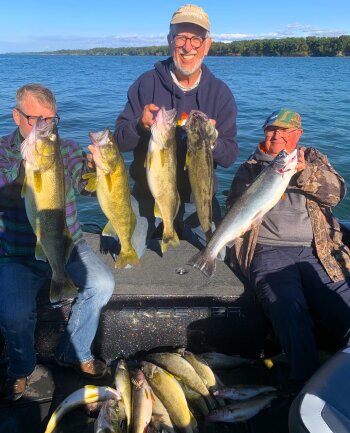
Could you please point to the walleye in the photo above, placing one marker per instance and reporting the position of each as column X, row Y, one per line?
column 122, row 383
column 175, row 364
column 169, row 391
column 201, row 367
column 161, row 174
column 201, row 137
column 241, row 410
column 160, row 417
column 142, row 401
column 45, row 202
column 258, row 199
column 88, row 394
column 111, row 183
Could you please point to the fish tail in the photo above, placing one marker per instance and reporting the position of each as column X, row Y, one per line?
column 205, row 264
column 129, row 257
column 169, row 240
column 62, row 289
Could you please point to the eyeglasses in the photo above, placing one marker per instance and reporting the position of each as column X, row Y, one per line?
column 32, row 119
column 180, row 41
column 279, row 131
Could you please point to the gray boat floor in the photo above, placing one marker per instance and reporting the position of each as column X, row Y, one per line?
column 167, row 275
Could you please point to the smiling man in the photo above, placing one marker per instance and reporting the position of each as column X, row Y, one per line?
column 294, row 257
column 182, row 82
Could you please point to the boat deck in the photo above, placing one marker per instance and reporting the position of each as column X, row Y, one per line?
column 162, row 303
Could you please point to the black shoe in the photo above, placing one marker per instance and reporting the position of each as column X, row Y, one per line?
column 12, row 389
column 94, row 368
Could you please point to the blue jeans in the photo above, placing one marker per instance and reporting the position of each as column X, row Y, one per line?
column 287, row 280
column 20, row 282
column 186, row 218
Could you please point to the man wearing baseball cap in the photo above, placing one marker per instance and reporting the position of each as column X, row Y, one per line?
column 294, row 257
column 185, row 83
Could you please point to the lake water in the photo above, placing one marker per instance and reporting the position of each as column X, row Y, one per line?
column 91, row 92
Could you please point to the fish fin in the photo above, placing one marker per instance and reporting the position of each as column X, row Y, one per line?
column 91, row 181
column 187, row 162
column 157, row 212
column 108, row 182
column 205, row 264
column 24, row 187
column 127, row 258
column 62, row 289
column 169, row 240
column 38, row 181
column 109, row 230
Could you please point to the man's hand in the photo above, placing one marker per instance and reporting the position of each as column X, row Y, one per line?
column 90, row 158
column 146, row 120
column 301, row 159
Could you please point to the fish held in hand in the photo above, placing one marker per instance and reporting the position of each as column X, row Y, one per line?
column 44, row 195
column 111, row 183
column 201, row 137
column 161, row 174
column 266, row 190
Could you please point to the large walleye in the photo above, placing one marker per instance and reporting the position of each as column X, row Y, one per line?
column 258, row 199
column 175, row 364
column 122, row 383
column 45, row 202
column 112, row 188
column 161, row 174
column 142, row 402
column 169, row 391
column 201, row 136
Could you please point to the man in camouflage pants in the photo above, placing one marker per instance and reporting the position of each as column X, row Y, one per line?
column 294, row 257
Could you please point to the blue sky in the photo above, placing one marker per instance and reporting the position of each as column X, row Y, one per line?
column 66, row 24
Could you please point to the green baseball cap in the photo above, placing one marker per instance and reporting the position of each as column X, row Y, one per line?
column 284, row 118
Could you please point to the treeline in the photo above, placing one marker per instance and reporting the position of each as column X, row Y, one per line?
column 287, row 47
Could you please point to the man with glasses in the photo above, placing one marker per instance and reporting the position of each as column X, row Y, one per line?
column 182, row 82
column 294, row 257
column 22, row 276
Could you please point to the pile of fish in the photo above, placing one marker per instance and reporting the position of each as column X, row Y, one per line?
column 161, row 166
column 165, row 393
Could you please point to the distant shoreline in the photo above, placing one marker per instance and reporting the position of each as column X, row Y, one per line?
column 287, row 47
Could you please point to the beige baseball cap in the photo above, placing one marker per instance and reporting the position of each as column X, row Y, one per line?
column 191, row 14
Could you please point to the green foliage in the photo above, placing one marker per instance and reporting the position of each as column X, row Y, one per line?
column 292, row 47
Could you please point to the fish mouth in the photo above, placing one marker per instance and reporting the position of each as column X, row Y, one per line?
column 100, row 137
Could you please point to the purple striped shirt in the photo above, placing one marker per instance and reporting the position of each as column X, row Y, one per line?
column 17, row 238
